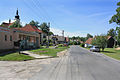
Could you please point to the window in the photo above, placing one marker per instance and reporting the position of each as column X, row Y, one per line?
column 5, row 37
column 10, row 38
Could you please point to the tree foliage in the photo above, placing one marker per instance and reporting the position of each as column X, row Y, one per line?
column 89, row 36
column 16, row 25
column 51, row 33
column 44, row 27
column 118, row 35
column 100, row 41
column 116, row 18
column 111, row 32
column 34, row 23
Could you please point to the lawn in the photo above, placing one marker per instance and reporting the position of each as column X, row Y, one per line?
column 14, row 57
column 49, row 51
column 112, row 52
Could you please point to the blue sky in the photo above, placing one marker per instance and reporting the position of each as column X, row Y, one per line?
column 76, row 17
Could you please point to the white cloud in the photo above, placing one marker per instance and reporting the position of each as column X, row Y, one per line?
column 98, row 14
column 70, row 34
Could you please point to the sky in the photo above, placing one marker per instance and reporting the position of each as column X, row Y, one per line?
column 75, row 17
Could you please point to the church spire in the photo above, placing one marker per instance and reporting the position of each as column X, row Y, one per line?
column 17, row 17
column 17, row 12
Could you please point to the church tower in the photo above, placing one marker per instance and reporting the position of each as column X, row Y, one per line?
column 17, row 17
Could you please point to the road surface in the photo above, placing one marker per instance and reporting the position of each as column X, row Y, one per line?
column 80, row 64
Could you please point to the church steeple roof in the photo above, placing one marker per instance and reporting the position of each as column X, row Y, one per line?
column 17, row 12
column 17, row 15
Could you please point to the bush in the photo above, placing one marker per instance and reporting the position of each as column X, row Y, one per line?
column 50, row 44
column 82, row 44
column 60, row 45
column 71, row 43
column 78, row 43
column 75, row 43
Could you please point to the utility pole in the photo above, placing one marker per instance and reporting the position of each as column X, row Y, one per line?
column 63, row 33
column 48, row 34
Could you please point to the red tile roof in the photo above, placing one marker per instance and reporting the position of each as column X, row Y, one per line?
column 29, row 28
column 6, row 24
column 89, row 41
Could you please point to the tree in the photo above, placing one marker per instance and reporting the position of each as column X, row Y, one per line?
column 100, row 41
column 73, row 38
column 116, row 19
column 83, row 39
column 44, row 27
column 34, row 23
column 16, row 25
column 89, row 36
column 111, row 32
column 118, row 35
column 51, row 33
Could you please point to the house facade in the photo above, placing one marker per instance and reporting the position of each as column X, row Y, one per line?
column 13, row 38
column 6, row 38
column 88, row 42
column 110, row 42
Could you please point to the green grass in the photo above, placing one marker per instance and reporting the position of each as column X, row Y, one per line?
column 112, row 52
column 14, row 57
column 49, row 51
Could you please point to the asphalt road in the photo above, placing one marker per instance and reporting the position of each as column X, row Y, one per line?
column 80, row 64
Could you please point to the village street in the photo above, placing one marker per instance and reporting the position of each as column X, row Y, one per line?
column 77, row 64
column 80, row 64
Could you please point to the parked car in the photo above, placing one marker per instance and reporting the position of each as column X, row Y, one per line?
column 95, row 48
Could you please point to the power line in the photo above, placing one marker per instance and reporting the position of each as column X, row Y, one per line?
column 35, row 13
column 43, row 9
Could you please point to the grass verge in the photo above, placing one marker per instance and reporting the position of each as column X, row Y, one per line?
column 112, row 52
column 48, row 51
column 14, row 57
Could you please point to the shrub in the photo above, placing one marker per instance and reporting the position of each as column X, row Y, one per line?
column 82, row 44
column 78, row 43
column 75, row 43
column 51, row 44
column 71, row 43
column 60, row 45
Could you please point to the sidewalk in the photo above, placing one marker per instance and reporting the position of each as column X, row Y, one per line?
column 35, row 55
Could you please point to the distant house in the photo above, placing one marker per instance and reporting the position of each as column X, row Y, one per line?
column 59, row 39
column 67, row 40
column 110, row 42
column 88, row 42
column 4, row 24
